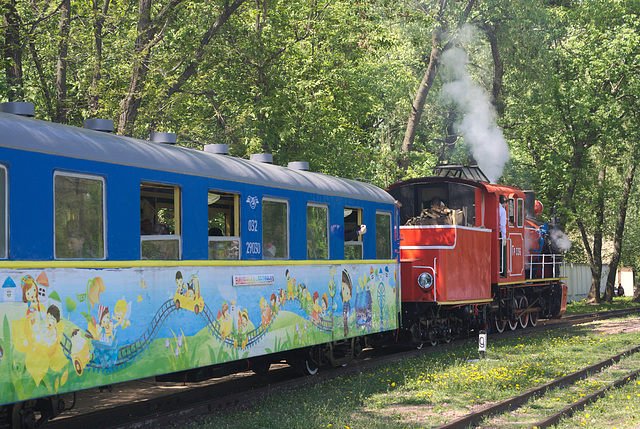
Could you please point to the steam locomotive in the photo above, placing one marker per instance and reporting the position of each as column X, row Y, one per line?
column 458, row 275
column 123, row 258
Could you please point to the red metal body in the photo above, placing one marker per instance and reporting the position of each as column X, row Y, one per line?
column 457, row 257
column 463, row 259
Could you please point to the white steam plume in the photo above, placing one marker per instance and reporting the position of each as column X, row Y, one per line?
column 560, row 240
column 478, row 126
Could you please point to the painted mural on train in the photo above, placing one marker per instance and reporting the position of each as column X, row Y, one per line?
column 69, row 329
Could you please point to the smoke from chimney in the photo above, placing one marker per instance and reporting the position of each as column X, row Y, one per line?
column 478, row 125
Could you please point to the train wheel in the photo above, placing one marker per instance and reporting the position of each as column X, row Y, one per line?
column 177, row 304
column 23, row 416
column 500, row 325
column 523, row 303
column 533, row 318
column 513, row 324
column 433, row 337
column 196, row 309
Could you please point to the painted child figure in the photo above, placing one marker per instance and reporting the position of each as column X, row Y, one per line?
column 347, row 291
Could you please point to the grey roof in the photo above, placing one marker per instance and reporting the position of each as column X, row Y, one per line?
column 51, row 138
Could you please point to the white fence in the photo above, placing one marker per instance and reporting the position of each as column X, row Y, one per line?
column 579, row 280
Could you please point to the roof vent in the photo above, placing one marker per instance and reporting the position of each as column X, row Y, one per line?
column 169, row 138
column 299, row 165
column 20, row 108
column 217, row 148
column 97, row 124
column 267, row 158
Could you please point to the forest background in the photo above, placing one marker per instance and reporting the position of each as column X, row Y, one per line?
column 541, row 94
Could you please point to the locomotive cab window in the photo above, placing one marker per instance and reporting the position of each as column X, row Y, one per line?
column 352, row 233
column 4, row 226
column 511, row 211
column 79, row 216
column 383, row 235
column 437, row 204
column 317, row 231
column 520, row 213
column 275, row 229
column 224, row 225
column 160, row 230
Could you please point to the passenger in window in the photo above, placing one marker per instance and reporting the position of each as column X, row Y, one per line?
column 146, row 227
column 215, row 232
column 355, row 233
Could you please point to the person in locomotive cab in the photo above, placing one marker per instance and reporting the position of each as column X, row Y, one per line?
column 502, row 217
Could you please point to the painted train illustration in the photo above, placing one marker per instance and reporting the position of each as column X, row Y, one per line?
column 123, row 259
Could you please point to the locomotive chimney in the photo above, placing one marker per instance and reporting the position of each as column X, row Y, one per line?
column 20, row 108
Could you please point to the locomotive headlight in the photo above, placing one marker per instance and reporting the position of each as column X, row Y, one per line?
column 425, row 281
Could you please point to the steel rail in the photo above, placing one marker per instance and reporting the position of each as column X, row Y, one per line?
column 536, row 392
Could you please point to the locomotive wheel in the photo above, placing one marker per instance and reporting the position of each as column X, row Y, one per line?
column 177, row 304
column 523, row 303
column 196, row 309
column 513, row 324
column 533, row 318
column 500, row 325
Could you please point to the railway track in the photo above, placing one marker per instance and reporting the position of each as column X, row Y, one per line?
column 510, row 404
column 141, row 408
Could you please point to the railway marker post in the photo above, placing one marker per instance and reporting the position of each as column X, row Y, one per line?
column 482, row 343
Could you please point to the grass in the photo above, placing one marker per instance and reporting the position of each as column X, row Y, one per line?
column 439, row 387
column 577, row 307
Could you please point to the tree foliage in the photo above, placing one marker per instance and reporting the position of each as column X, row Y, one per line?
column 355, row 88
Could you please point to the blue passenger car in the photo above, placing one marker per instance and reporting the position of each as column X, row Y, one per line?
column 192, row 259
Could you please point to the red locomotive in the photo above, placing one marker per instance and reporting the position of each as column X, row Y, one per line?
column 458, row 273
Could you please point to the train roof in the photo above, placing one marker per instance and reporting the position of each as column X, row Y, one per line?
column 22, row 133
column 488, row 187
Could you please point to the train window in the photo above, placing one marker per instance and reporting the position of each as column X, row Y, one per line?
column 4, row 226
column 511, row 212
column 520, row 212
column 79, row 226
column 383, row 235
column 224, row 225
column 317, row 231
column 275, row 227
column 160, row 230
column 352, row 241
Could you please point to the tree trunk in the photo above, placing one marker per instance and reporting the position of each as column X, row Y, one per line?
column 617, row 241
column 98, row 24
column 131, row 102
column 61, row 67
column 419, row 100
column 206, row 39
column 498, row 68
column 13, row 52
column 595, row 256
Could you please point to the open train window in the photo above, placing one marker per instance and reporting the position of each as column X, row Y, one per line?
column 79, row 213
column 383, row 235
column 352, row 241
column 317, row 231
column 275, row 229
column 160, row 230
column 4, row 224
column 224, row 225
